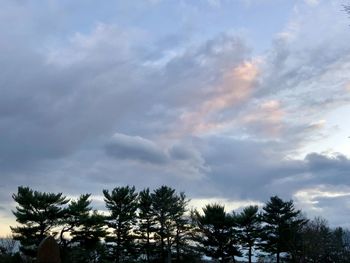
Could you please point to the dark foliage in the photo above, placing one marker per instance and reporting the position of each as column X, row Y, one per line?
column 249, row 225
column 168, row 209
column 216, row 233
column 85, row 227
column 146, row 225
column 282, row 225
column 156, row 227
column 122, row 205
column 38, row 213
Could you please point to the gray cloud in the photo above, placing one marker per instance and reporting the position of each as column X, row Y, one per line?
column 184, row 152
column 80, row 93
column 62, row 103
column 135, row 148
column 323, row 163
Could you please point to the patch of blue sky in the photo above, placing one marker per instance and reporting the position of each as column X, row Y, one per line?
column 194, row 20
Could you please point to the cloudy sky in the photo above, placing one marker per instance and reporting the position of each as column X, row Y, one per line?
column 231, row 101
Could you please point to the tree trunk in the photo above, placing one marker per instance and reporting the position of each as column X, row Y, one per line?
column 148, row 243
column 117, row 256
column 117, row 259
column 42, row 232
column 250, row 254
column 162, row 247
column 278, row 257
column 177, row 245
column 168, row 250
column 169, row 257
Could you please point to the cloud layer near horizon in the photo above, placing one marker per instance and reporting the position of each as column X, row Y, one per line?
column 85, row 108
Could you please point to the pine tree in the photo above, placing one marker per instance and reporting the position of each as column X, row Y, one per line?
column 75, row 214
column 146, row 224
column 216, row 234
column 182, row 228
column 168, row 208
column 281, row 223
column 85, row 228
column 122, row 204
column 250, row 228
column 38, row 213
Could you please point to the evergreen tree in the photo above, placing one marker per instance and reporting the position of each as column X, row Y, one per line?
column 146, row 224
column 88, row 237
column 168, row 208
column 38, row 213
column 122, row 204
column 164, row 230
column 248, row 222
column 216, row 234
column 75, row 214
column 281, row 222
column 295, row 240
column 85, row 228
column 182, row 229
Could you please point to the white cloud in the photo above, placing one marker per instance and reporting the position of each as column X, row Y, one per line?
column 312, row 2
column 327, row 201
column 214, row 3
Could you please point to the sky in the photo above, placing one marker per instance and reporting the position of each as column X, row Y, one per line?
column 230, row 101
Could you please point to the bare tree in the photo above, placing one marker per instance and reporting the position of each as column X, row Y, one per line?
column 7, row 245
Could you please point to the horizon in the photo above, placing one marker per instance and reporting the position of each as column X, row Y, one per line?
column 228, row 101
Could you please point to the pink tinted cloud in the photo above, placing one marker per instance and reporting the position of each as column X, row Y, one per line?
column 267, row 118
column 235, row 88
column 347, row 87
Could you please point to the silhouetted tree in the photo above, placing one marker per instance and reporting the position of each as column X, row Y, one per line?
column 324, row 245
column 164, row 231
column 338, row 247
column 249, row 225
column 7, row 245
column 168, row 208
column 7, row 250
column 122, row 204
column 295, row 240
column 87, row 230
column 183, row 228
column 317, row 240
column 38, row 213
column 216, row 234
column 281, row 221
column 146, row 224
column 75, row 215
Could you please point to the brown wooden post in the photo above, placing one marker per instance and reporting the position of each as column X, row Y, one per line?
column 48, row 251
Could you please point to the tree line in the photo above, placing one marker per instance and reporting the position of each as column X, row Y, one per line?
column 157, row 226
